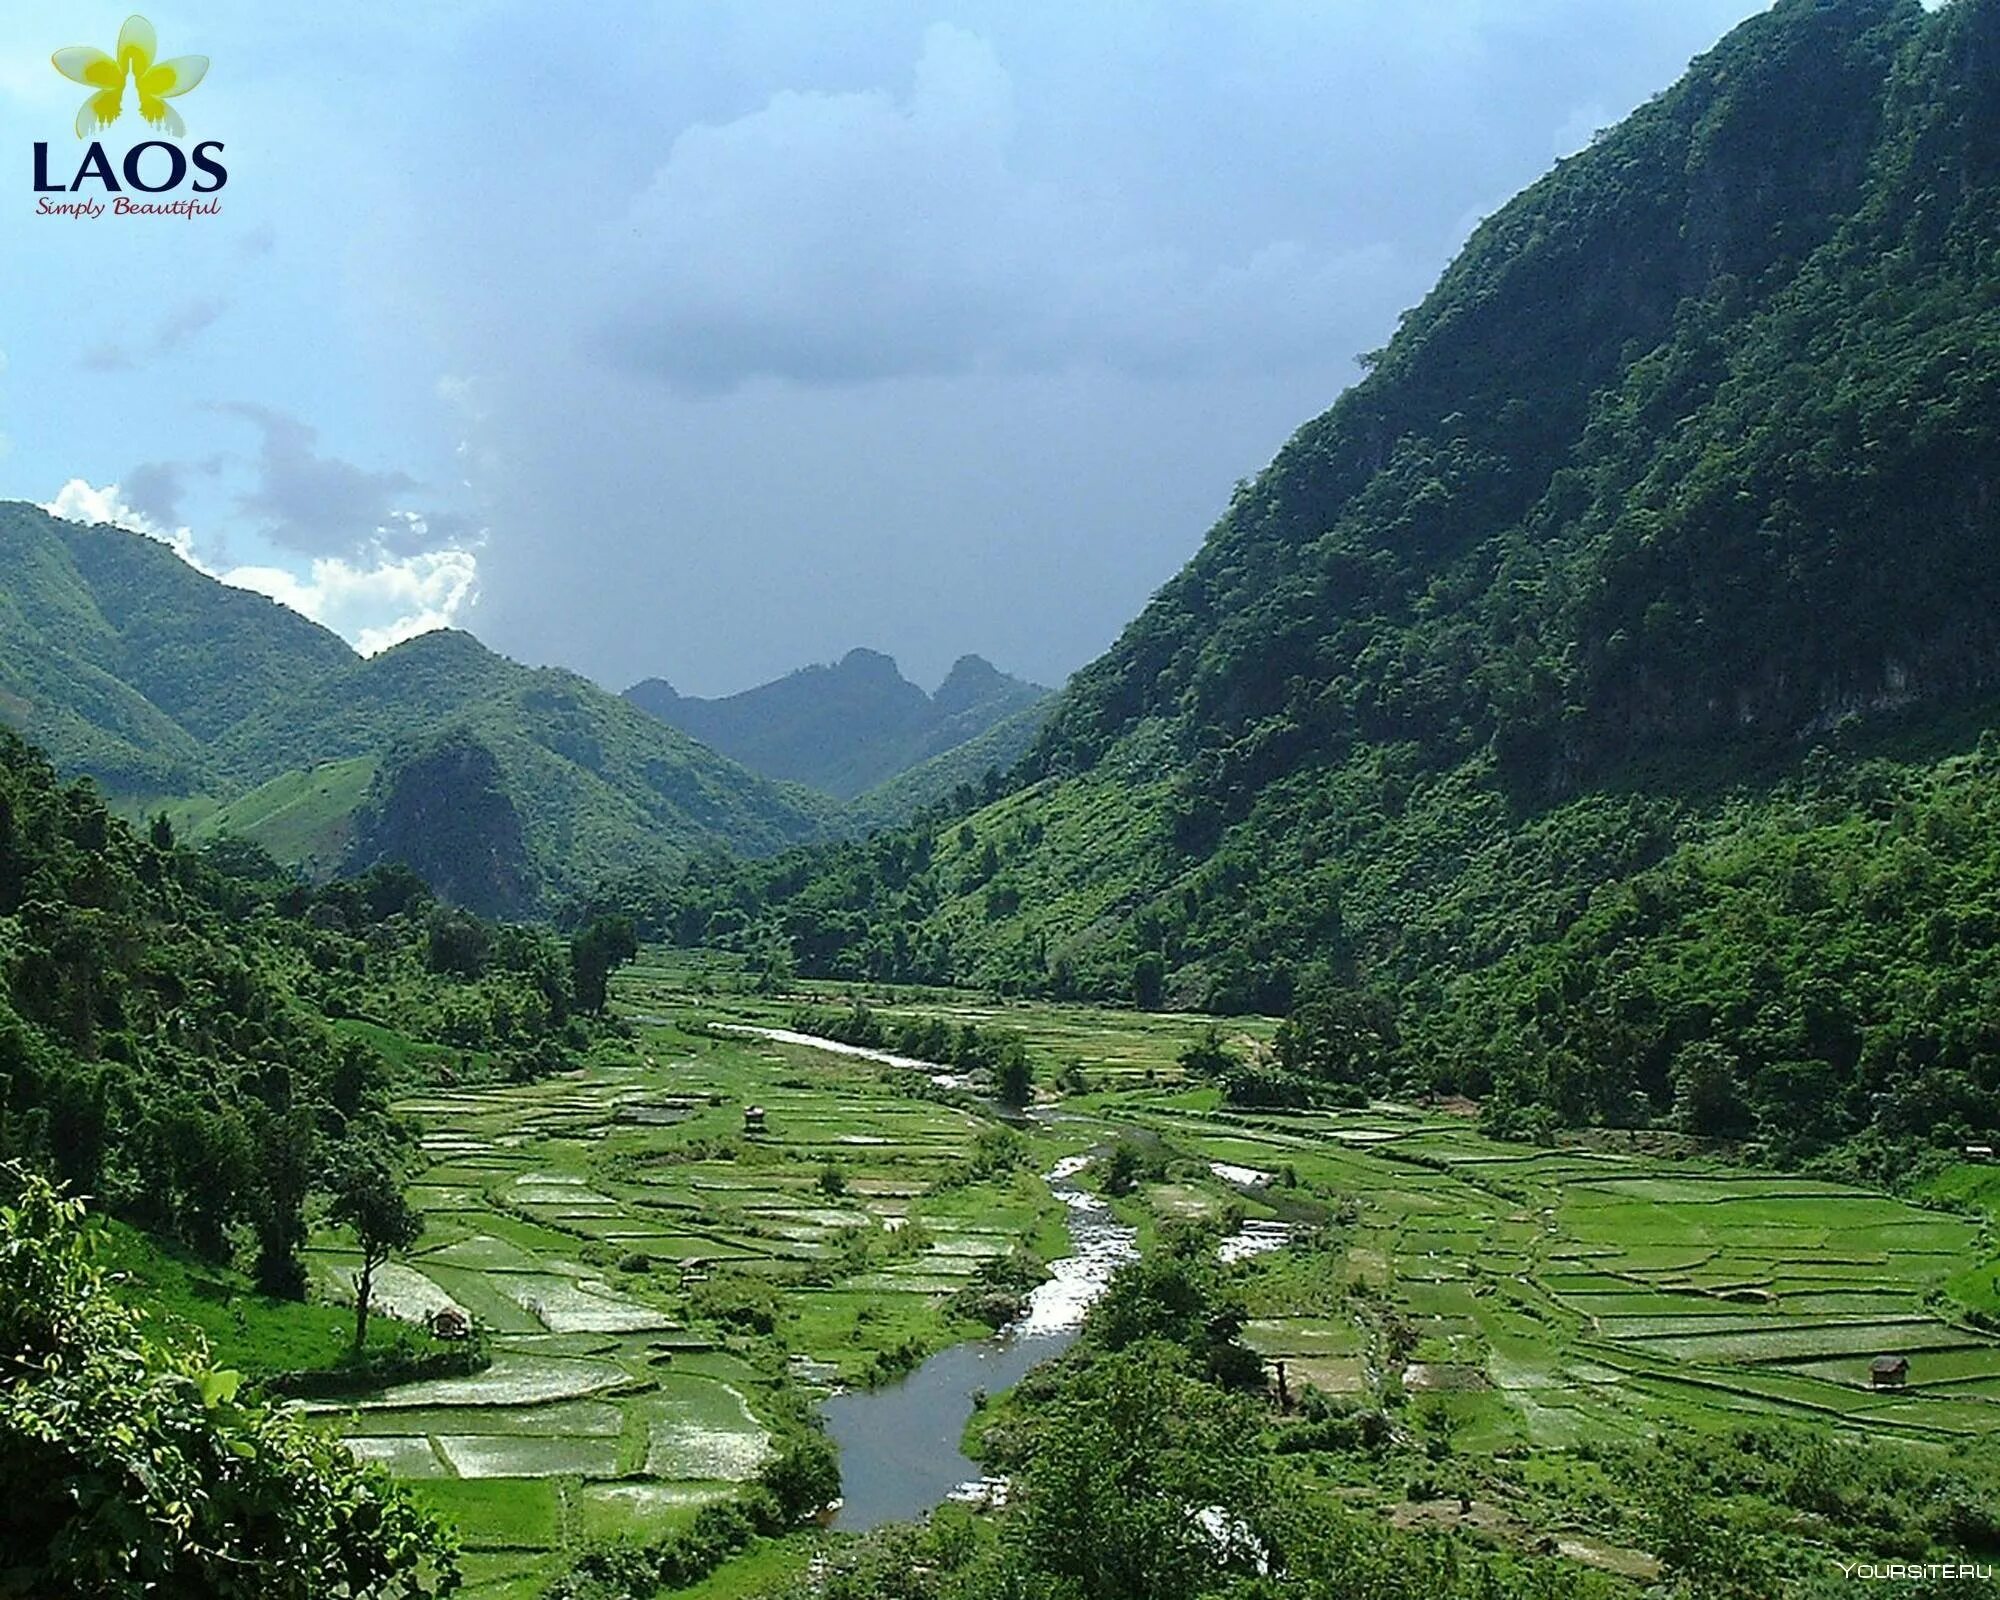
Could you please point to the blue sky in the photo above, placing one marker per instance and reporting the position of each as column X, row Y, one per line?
column 708, row 340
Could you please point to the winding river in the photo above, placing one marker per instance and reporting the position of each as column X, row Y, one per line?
column 899, row 1444
column 900, row 1452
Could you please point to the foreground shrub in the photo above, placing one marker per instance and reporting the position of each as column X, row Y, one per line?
column 129, row 1467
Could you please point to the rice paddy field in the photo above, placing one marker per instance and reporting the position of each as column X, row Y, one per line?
column 665, row 1288
column 1554, row 1296
column 621, row 1236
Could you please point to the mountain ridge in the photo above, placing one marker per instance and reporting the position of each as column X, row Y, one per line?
column 845, row 727
column 173, row 689
column 105, row 639
column 1592, row 712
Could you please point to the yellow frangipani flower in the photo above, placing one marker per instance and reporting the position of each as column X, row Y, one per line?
column 138, row 55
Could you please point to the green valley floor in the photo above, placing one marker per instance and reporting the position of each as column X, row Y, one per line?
column 669, row 1289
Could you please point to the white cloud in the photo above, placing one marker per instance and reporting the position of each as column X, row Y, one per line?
column 78, row 501
column 374, row 601
column 373, row 606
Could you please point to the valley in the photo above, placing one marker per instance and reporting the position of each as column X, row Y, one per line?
column 1457, row 1058
column 670, row 1294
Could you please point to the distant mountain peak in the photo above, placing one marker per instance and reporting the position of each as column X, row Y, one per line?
column 648, row 692
column 448, row 642
column 846, row 726
column 974, row 682
column 863, row 660
column 972, row 669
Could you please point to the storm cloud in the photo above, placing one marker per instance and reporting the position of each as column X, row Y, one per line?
column 725, row 338
column 834, row 238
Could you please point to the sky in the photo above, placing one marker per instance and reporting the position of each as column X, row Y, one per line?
column 703, row 341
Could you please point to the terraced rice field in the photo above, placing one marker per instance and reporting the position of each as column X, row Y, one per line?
column 583, row 1220
column 1560, row 1295
column 604, row 1224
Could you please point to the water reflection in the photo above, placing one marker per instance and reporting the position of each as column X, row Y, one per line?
column 899, row 1445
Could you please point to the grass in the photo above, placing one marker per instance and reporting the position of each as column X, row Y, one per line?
column 249, row 1332
column 305, row 817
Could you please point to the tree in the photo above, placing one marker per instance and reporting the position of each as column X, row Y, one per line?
column 1013, row 1075
column 285, row 1142
column 1338, row 1035
column 803, row 1477
column 1106, row 1492
column 1208, row 1057
column 1179, row 1293
column 368, row 1197
column 594, row 954
column 132, row 1466
column 1128, row 1165
column 1707, row 1091
column 457, row 942
column 1701, row 1555
column 1149, row 981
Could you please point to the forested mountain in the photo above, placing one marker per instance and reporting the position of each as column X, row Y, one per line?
column 848, row 727
column 164, row 685
column 596, row 785
column 960, row 776
column 1586, row 712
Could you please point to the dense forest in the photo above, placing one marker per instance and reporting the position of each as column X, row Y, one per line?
column 1586, row 713
column 195, row 1038
column 204, row 1046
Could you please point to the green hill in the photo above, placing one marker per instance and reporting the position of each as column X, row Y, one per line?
column 599, row 786
column 958, row 775
column 166, row 686
column 849, row 727
column 304, row 818
column 1586, row 712
column 176, row 1025
column 122, row 660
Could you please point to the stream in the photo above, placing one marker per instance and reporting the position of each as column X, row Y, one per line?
column 899, row 1444
column 942, row 1076
column 900, row 1454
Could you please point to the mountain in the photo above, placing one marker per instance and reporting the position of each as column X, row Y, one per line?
column 123, row 661
column 845, row 728
column 168, row 1047
column 1592, row 712
column 597, row 785
column 234, row 713
column 957, row 776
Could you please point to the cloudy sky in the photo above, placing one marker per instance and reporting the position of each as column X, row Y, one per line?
column 705, row 340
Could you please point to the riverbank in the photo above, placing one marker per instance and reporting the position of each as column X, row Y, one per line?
column 668, row 1292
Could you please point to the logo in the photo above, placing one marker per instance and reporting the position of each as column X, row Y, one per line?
column 153, row 80
column 1916, row 1571
column 150, row 168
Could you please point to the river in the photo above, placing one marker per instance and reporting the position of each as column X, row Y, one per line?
column 900, row 1452
column 899, row 1444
